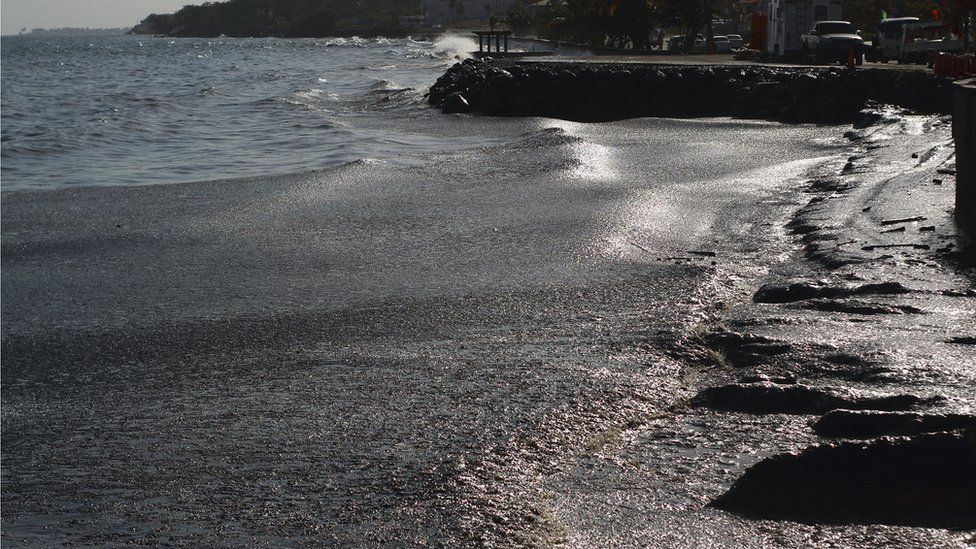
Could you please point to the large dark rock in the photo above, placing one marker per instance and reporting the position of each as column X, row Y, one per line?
column 927, row 481
column 772, row 398
column 455, row 103
column 458, row 79
column 867, row 424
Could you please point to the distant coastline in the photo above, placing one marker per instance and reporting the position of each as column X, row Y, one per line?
column 286, row 19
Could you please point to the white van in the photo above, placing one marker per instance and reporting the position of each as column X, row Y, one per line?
column 887, row 39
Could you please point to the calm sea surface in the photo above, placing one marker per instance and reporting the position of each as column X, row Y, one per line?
column 130, row 110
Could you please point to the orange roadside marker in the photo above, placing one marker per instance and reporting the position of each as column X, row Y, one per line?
column 850, row 59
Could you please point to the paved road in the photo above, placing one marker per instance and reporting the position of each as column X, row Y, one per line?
column 716, row 59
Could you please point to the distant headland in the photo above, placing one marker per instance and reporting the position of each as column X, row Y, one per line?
column 285, row 18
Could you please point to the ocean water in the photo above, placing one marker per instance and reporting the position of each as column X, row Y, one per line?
column 257, row 293
column 133, row 110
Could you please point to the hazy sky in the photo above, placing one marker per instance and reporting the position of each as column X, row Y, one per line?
column 17, row 14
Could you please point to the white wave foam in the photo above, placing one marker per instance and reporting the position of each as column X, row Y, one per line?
column 313, row 93
column 383, row 84
column 352, row 41
column 454, row 46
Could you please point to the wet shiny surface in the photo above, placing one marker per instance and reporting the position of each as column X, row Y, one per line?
column 460, row 331
column 369, row 353
column 651, row 485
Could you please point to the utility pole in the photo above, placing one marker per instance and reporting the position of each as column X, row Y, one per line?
column 968, row 29
column 710, row 38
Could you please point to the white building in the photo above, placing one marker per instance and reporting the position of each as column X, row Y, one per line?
column 447, row 12
column 790, row 19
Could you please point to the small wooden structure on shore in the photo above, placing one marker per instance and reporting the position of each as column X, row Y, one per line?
column 485, row 37
column 500, row 37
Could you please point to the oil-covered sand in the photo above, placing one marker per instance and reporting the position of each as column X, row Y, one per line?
column 494, row 345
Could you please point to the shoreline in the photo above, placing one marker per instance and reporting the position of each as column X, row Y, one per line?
column 823, row 369
column 871, row 268
column 865, row 275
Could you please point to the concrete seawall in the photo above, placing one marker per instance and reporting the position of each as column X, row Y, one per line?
column 607, row 91
column 964, row 134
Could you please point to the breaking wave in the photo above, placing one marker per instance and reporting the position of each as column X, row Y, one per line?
column 453, row 46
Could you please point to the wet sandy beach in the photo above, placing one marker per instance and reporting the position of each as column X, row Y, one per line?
column 486, row 346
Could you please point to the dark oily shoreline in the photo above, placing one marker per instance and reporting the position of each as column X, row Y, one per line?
column 591, row 92
column 766, row 356
column 925, row 481
column 923, row 478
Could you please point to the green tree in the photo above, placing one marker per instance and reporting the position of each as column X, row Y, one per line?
column 457, row 6
column 520, row 19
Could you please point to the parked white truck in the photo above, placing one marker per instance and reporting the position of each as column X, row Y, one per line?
column 908, row 40
column 921, row 41
column 830, row 41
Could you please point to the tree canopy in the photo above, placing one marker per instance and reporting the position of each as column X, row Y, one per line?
column 613, row 23
column 620, row 23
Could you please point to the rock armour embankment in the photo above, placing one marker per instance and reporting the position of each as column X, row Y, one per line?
column 610, row 91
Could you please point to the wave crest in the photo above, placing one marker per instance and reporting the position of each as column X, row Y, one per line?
column 454, row 46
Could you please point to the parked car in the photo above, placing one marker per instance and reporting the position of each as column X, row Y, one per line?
column 886, row 42
column 722, row 44
column 830, row 41
column 737, row 42
column 677, row 43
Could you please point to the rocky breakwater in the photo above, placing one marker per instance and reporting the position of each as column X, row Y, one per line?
column 592, row 92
